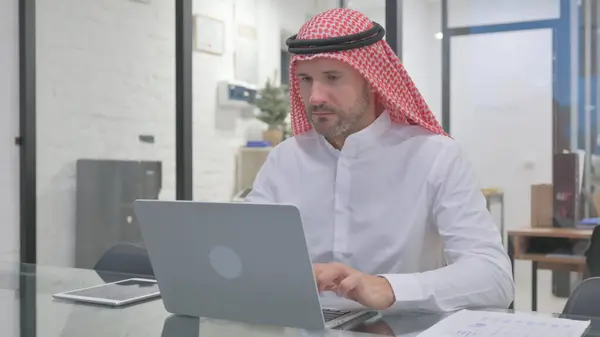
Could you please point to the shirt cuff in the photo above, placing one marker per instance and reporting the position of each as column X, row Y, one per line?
column 408, row 290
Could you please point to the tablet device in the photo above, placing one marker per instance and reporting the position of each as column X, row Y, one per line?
column 114, row 294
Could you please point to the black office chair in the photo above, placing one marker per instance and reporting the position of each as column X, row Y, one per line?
column 124, row 260
column 592, row 254
column 584, row 299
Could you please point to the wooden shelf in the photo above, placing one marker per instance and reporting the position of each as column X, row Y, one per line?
column 552, row 232
column 577, row 260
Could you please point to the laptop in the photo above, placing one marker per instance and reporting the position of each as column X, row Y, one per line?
column 241, row 262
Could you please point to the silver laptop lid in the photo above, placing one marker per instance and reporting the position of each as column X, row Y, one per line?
column 235, row 261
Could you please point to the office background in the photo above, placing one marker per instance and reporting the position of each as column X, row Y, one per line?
column 103, row 101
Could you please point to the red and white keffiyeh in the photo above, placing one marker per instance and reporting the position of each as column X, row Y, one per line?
column 376, row 62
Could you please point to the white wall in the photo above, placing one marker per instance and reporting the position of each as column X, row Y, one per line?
column 502, row 112
column 9, row 129
column 106, row 74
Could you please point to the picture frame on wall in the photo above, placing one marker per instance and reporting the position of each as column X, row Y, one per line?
column 209, row 35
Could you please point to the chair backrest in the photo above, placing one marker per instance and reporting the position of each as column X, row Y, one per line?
column 124, row 258
column 593, row 253
column 584, row 299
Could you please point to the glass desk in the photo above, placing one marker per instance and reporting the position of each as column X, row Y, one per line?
column 27, row 309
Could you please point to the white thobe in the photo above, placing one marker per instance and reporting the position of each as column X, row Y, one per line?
column 397, row 201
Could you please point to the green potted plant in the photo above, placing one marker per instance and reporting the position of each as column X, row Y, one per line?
column 273, row 104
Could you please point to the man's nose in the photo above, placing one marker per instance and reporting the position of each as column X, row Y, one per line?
column 317, row 94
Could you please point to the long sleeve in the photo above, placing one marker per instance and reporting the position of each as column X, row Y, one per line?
column 478, row 272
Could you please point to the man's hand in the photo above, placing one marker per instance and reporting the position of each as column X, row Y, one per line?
column 371, row 291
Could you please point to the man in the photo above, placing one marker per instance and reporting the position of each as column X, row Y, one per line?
column 393, row 215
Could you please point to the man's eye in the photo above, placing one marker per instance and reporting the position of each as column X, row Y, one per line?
column 304, row 79
column 332, row 77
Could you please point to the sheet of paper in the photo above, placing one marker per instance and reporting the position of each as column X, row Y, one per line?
column 467, row 323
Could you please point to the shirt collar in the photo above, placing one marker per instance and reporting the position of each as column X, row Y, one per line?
column 371, row 132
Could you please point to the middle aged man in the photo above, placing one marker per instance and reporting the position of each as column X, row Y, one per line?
column 392, row 213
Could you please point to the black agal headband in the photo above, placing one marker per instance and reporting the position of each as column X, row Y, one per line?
column 315, row 46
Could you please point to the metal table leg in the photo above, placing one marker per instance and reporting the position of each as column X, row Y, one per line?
column 511, row 255
column 534, row 269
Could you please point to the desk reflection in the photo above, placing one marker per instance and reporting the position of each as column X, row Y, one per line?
column 181, row 326
column 379, row 327
column 184, row 326
column 402, row 326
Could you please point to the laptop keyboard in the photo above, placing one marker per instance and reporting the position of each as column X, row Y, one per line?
column 331, row 314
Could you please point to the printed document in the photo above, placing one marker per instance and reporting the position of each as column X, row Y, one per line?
column 468, row 323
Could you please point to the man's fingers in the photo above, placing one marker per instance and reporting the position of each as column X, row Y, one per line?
column 328, row 276
column 326, row 279
column 368, row 290
column 349, row 285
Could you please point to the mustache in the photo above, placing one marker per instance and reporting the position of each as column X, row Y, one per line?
column 321, row 108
